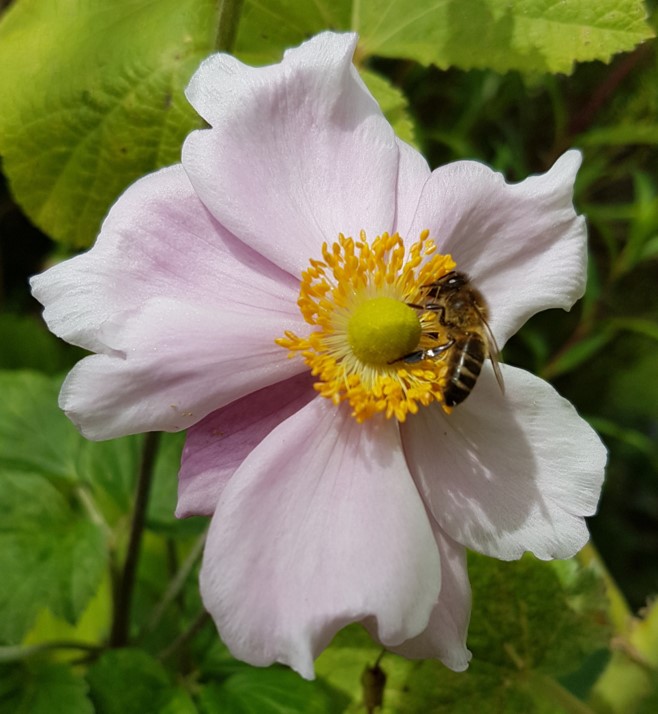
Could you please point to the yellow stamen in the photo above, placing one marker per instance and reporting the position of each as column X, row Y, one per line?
column 358, row 298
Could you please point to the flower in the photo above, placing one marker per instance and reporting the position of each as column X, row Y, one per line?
column 299, row 226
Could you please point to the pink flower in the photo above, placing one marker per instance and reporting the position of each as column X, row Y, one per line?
column 355, row 504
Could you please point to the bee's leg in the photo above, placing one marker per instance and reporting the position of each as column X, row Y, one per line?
column 419, row 355
column 436, row 351
column 412, row 357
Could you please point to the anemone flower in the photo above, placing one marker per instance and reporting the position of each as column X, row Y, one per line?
column 276, row 295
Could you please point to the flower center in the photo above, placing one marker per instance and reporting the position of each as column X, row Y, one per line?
column 382, row 329
column 365, row 302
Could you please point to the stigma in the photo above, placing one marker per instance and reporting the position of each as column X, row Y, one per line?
column 364, row 301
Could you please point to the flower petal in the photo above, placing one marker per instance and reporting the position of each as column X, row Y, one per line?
column 507, row 473
column 445, row 636
column 322, row 525
column 413, row 174
column 303, row 141
column 522, row 244
column 173, row 364
column 184, row 314
column 157, row 241
column 218, row 444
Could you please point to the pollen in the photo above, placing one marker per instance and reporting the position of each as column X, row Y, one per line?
column 364, row 302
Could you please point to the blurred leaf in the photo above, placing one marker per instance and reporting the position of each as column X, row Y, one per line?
column 529, row 36
column 644, row 223
column 551, row 614
column 42, row 688
column 94, row 100
column 649, row 704
column 34, row 433
column 270, row 691
column 581, row 351
column 26, row 344
column 621, row 135
column 50, row 555
column 129, row 681
column 633, row 390
column 650, row 249
column 630, row 682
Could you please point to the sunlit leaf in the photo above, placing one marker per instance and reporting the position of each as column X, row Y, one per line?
column 529, row 36
column 393, row 104
column 94, row 100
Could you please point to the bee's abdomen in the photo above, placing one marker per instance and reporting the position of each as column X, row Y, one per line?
column 466, row 360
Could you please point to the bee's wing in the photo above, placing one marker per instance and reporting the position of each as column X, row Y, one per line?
column 494, row 351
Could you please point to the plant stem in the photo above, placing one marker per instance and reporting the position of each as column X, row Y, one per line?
column 176, row 585
column 197, row 624
column 228, row 18
column 15, row 653
column 123, row 597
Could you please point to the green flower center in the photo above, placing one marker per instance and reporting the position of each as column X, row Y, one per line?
column 382, row 330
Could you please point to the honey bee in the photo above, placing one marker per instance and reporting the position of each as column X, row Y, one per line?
column 462, row 311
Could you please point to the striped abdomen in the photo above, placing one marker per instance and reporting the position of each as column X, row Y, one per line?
column 465, row 361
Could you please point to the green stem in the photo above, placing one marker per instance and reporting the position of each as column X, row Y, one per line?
column 197, row 624
column 125, row 587
column 228, row 18
column 16, row 653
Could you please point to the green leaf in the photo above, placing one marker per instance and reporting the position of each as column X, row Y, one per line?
column 271, row 691
column 34, row 433
column 267, row 29
column 50, row 555
column 393, row 103
column 548, row 616
column 42, row 688
column 94, row 100
column 130, row 681
column 528, row 36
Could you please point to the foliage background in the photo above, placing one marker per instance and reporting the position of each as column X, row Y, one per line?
column 91, row 99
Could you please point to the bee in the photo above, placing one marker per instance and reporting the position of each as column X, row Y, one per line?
column 462, row 311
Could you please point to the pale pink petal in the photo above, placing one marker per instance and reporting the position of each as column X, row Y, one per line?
column 298, row 152
column 174, row 363
column 508, row 473
column 522, row 244
column 413, row 173
column 157, row 241
column 321, row 526
column 218, row 444
column 445, row 635
column 184, row 314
